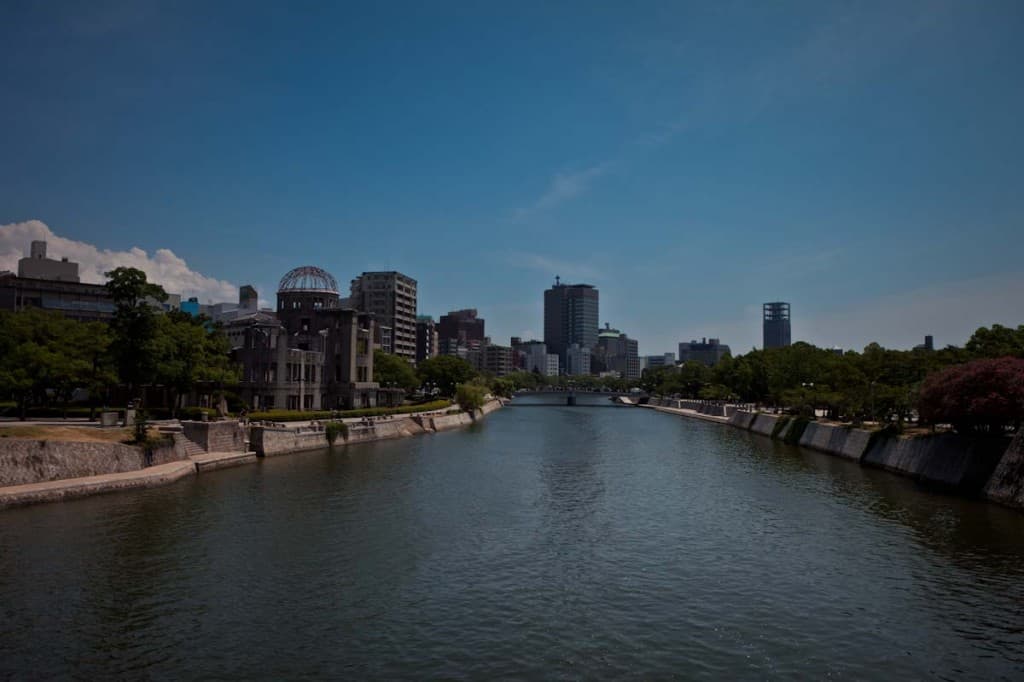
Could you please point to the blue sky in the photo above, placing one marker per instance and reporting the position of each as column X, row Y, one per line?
column 860, row 160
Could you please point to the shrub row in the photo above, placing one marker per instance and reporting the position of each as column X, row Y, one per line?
column 194, row 413
column 295, row 415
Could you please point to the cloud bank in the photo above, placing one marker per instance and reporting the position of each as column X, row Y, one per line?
column 163, row 267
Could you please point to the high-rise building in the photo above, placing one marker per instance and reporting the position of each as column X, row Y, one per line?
column 426, row 338
column 616, row 352
column 577, row 360
column 776, row 325
column 461, row 329
column 929, row 343
column 570, row 318
column 496, row 360
column 391, row 298
column 536, row 358
column 706, row 351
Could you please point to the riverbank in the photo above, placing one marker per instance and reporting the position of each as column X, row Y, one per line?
column 36, row 471
column 990, row 468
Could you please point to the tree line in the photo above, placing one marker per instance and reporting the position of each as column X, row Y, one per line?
column 979, row 387
column 45, row 357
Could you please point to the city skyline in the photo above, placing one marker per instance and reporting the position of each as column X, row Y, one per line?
column 165, row 266
column 859, row 161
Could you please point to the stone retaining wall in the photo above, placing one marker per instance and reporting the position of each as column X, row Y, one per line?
column 742, row 420
column 57, row 491
column 24, row 461
column 968, row 465
column 842, row 441
column 1006, row 485
column 268, row 441
column 764, row 424
column 947, row 460
column 223, row 436
column 271, row 441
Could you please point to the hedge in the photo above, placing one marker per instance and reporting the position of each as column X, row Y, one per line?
column 295, row 415
column 37, row 412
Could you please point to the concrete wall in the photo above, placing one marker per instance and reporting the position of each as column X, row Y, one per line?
column 841, row 441
column 270, row 441
column 450, row 421
column 399, row 427
column 1006, row 485
column 490, row 406
column 742, row 420
column 951, row 461
column 35, row 461
column 764, row 424
column 225, row 436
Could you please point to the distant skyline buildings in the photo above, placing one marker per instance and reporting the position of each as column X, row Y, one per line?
column 706, row 351
column 741, row 322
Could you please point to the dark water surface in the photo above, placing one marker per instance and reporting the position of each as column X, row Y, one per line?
column 562, row 542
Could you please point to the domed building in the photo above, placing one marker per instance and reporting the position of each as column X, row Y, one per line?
column 302, row 293
column 315, row 354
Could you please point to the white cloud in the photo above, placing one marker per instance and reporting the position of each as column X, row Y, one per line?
column 565, row 186
column 569, row 272
column 163, row 267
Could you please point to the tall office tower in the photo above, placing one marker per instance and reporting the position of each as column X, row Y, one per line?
column 570, row 317
column 776, row 325
column 391, row 298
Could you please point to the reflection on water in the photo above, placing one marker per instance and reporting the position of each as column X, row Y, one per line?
column 545, row 542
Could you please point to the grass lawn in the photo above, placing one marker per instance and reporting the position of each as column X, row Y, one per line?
column 66, row 433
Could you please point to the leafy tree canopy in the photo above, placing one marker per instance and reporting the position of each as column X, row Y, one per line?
column 445, row 372
column 391, row 370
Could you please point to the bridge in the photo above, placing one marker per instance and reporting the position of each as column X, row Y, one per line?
column 568, row 398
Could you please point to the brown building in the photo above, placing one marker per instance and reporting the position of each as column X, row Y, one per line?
column 315, row 354
column 460, row 331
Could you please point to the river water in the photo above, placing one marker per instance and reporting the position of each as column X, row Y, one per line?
column 544, row 542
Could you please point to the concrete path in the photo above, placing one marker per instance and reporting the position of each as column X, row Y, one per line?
column 221, row 460
column 70, row 488
column 689, row 413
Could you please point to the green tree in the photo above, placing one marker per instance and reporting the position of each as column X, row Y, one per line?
column 190, row 353
column 44, row 355
column 996, row 341
column 470, row 396
column 391, row 370
column 445, row 372
column 134, row 326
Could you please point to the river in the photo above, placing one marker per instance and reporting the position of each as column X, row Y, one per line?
column 543, row 542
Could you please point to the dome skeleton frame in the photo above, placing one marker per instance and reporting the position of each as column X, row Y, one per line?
column 308, row 278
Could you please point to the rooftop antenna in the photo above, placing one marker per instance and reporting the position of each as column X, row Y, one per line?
column 557, row 279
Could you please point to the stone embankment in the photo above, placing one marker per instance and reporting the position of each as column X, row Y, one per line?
column 973, row 466
column 33, row 471
column 269, row 441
